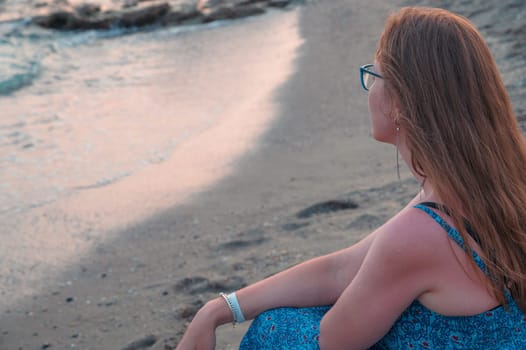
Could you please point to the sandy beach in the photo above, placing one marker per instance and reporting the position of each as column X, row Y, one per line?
column 304, row 178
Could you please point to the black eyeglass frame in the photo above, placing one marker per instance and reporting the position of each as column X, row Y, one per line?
column 366, row 69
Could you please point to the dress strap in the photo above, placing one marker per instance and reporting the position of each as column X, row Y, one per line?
column 446, row 211
column 452, row 233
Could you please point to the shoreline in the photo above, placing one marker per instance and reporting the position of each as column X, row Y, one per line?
column 75, row 15
column 57, row 234
column 153, row 275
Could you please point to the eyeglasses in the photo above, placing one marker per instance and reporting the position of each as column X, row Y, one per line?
column 367, row 76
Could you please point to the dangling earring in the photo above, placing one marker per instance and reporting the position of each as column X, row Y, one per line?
column 397, row 152
column 422, row 187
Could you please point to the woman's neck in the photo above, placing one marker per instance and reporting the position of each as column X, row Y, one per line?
column 427, row 192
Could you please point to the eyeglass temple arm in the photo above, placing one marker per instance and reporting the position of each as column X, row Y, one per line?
column 373, row 73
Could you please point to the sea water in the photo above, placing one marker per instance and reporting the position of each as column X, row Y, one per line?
column 81, row 110
column 102, row 129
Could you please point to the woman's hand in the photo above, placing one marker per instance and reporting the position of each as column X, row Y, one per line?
column 200, row 334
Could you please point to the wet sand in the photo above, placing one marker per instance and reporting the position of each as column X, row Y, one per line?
column 207, row 118
column 314, row 182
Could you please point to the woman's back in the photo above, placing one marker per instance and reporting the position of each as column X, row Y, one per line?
column 474, row 321
column 459, row 312
column 459, row 287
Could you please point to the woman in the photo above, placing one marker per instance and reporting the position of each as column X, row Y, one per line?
column 449, row 270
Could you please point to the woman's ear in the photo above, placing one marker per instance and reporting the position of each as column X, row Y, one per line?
column 395, row 110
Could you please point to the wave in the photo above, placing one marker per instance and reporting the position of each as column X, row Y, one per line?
column 24, row 48
column 20, row 58
column 19, row 76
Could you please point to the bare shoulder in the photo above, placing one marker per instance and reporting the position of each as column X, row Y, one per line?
column 412, row 227
column 409, row 238
column 397, row 269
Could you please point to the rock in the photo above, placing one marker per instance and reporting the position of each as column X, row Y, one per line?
column 278, row 3
column 234, row 12
column 133, row 13
column 183, row 14
column 146, row 16
column 213, row 10
column 208, row 5
column 130, row 3
column 87, row 10
column 61, row 19
column 65, row 20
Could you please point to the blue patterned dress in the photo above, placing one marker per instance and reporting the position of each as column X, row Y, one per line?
column 417, row 327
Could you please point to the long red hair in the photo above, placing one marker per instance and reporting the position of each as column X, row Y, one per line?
column 462, row 133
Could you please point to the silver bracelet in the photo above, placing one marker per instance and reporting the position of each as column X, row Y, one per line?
column 233, row 305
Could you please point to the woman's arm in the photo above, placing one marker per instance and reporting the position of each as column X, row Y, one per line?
column 399, row 266
column 318, row 281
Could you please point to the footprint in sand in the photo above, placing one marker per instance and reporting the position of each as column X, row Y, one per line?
column 326, row 208
column 199, row 284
